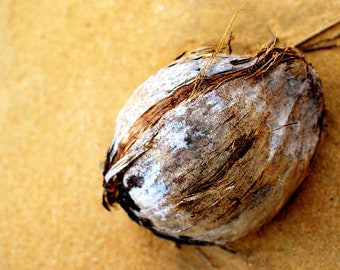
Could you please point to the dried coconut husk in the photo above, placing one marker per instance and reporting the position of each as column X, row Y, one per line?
column 211, row 147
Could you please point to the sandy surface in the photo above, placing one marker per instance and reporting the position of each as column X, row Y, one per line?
column 67, row 67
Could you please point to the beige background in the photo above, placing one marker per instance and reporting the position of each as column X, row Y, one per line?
column 66, row 68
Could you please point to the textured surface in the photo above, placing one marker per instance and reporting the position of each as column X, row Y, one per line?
column 216, row 158
column 67, row 68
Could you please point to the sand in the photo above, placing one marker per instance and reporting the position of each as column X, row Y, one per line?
column 67, row 67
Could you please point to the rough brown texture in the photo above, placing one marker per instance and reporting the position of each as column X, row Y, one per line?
column 68, row 67
column 214, row 157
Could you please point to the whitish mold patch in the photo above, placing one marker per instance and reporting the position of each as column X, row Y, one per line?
column 215, row 102
column 153, row 191
column 173, row 134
